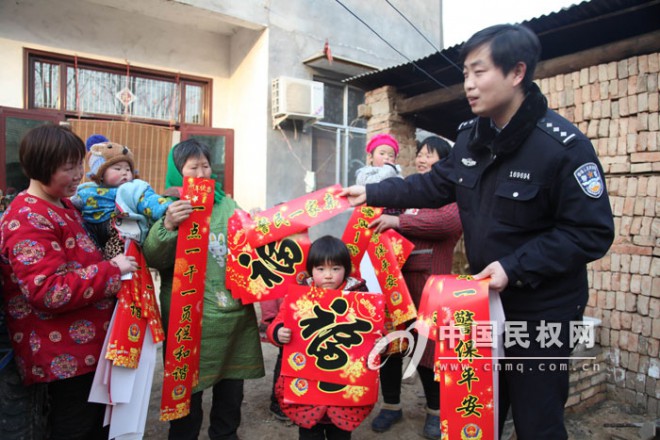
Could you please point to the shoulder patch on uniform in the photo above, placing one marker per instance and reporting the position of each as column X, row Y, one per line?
column 560, row 129
column 466, row 124
column 590, row 180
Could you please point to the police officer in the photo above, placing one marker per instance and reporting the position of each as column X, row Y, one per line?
column 535, row 211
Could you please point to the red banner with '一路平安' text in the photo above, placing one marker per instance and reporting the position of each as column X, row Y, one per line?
column 186, row 307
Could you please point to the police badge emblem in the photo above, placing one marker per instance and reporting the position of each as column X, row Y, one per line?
column 590, row 180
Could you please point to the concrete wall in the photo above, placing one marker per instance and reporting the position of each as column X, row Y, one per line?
column 298, row 29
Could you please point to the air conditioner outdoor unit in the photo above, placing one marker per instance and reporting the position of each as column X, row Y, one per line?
column 295, row 98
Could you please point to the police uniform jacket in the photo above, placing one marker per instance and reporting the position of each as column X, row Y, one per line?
column 531, row 196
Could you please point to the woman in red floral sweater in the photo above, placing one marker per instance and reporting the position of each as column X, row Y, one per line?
column 59, row 293
column 329, row 262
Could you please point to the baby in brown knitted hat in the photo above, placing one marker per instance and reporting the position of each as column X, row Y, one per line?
column 115, row 192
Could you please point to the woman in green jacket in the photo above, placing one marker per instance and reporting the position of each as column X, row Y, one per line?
column 230, row 346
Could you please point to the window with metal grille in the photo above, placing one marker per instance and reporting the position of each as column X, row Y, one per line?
column 89, row 88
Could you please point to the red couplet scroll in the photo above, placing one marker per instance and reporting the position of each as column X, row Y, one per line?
column 455, row 308
column 184, row 328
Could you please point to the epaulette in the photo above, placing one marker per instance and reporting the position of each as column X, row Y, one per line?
column 558, row 128
column 467, row 124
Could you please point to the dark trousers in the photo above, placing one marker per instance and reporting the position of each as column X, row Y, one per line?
column 71, row 416
column 225, row 413
column 323, row 431
column 535, row 389
column 390, row 382
column 276, row 375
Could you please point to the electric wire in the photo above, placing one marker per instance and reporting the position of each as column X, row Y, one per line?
column 391, row 46
column 424, row 37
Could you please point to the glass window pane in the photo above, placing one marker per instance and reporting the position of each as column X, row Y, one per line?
column 324, row 156
column 356, row 155
column 194, row 104
column 333, row 103
column 355, row 98
column 46, row 85
column 99, row 92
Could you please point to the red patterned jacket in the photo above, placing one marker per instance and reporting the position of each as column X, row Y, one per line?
column 58, row 292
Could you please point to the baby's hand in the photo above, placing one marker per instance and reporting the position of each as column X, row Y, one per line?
column 284, row 335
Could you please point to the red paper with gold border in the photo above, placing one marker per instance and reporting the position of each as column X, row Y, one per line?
column 313, row 392
column 387, row 251
column 357, row 234
column 295, row 216
column 464, row 362
column 332, row 335
column 136, row 309
column 264, row 273
column 184, row 329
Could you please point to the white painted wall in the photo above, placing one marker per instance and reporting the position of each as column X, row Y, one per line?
column 11, row 74
column 85, row 28
column 248, row 93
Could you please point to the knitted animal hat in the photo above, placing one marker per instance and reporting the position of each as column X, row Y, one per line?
column 103, row 155
column 382, row 139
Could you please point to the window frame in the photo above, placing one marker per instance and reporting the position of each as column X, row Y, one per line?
column 342, row 131
column 64, row 61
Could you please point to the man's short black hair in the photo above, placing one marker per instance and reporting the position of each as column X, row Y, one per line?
column 509, row 45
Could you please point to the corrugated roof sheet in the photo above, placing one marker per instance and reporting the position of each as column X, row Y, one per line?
column 579, row 27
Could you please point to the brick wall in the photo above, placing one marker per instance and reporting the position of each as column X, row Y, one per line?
column 616, row 105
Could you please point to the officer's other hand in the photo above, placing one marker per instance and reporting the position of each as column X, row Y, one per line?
column 384, row 222
column 356, row 194
column 498, row 278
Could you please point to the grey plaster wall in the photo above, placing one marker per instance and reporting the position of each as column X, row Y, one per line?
column 299, row 28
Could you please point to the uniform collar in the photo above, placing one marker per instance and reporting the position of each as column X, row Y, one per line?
column 485, row 136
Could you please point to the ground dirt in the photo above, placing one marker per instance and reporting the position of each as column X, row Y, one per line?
column 258, row 423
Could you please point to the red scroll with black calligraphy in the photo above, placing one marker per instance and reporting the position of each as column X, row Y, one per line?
column 464, row 355
column 184, row 329
column 332, row 334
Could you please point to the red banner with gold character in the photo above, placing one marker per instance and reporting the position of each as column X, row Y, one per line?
column 184, row 329
column 332, row 335
column 464, row 356
column 266, row 272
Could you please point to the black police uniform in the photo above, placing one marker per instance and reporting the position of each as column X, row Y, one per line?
column 531, row 196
